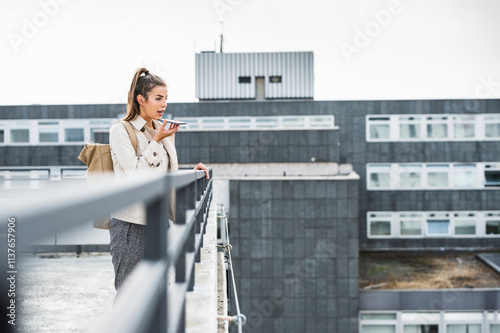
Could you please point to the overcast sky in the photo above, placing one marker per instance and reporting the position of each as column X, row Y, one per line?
column 85, row 52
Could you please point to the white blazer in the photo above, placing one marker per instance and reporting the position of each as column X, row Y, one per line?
column 150, row 156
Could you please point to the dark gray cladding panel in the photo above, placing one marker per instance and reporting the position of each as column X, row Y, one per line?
column 40, row 156
column 297, row 255
column 430, row 300
column 62, row 111
column 257, row 146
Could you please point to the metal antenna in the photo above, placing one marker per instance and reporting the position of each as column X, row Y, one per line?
column 221, row 35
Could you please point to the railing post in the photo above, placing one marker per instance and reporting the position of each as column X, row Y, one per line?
column 186, row 200
column 157, row 212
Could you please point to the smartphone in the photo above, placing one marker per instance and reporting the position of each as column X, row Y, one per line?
column 175, row 122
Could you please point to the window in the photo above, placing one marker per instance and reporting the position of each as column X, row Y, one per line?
column 492, row 126
column 444, row 224
column 245, row 79
column 463, row 328
column 213, row 122
column 435, row 127
column 20, row 131
column 379, row 224
column 491, row 175
column 266, row 122
column 20, row 135
column 409, row 127
column 378, row 316
column 98, row 124
column 74, row 131
column 464, row 175
column 410, row 175
column 438, row 224
column 380, row 228
column 240, row 122
column 2, row 132
column 465, row 224
column 437, row 176
column 73, row 135
column 296, row 122
column 493, row 227
column 409, row 225
column 421, row 329
column 320, row 121
column 48, row 131
column 492, row 130
column 430, row 322
column 433, row 176
column 380, row 176
column 275, row 79
column 379, row 127
column 73, row 173
column 464, row 127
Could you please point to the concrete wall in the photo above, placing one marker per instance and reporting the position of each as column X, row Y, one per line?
column 295, row 254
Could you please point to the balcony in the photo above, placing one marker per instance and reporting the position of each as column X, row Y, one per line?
column 180, row 266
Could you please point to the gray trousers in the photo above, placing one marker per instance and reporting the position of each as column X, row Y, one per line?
column 127, row 248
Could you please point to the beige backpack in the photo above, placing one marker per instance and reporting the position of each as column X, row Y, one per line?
column 97, row 157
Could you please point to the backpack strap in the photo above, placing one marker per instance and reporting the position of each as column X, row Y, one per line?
column 131, row 133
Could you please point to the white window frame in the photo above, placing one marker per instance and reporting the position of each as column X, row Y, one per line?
column 379, row 322
column 33, row 127
column 380, row 219
column 13, row 125
column 4, row 128
column 490, row 218
column 397, row 168
column 430, row 218
column 56, row 126
column 394, row 121
column 275, row 123
column 495, row 120
column 397, row 219
column 438, row 318
column 480, row 218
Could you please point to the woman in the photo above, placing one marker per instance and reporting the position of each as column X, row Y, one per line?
column 147, row 101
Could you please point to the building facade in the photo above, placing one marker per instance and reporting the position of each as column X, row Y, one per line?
column 427, row 181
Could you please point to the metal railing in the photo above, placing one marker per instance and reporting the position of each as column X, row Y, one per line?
column 145, row 303
column 239, row 318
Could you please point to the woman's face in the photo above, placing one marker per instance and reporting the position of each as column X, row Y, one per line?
column 155, row 105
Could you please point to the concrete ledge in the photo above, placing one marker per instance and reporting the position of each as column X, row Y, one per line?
column 201, row 303
column 491, row 259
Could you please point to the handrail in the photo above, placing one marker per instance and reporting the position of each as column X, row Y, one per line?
column 239, row 317
column 143, row 305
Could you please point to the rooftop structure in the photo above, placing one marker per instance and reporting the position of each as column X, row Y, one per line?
column 254, row 76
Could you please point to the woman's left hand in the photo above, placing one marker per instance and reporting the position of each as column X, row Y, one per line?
column 201, row 166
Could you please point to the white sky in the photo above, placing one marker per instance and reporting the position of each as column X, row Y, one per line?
column 85, row 52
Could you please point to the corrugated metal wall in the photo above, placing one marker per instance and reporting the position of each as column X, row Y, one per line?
column 217, row 74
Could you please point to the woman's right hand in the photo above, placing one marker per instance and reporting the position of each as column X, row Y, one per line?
column 162, row 132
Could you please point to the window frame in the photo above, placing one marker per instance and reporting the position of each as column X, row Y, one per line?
column 480, row 219
column 452, row 121
column 244, row 79
column 452, row 169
